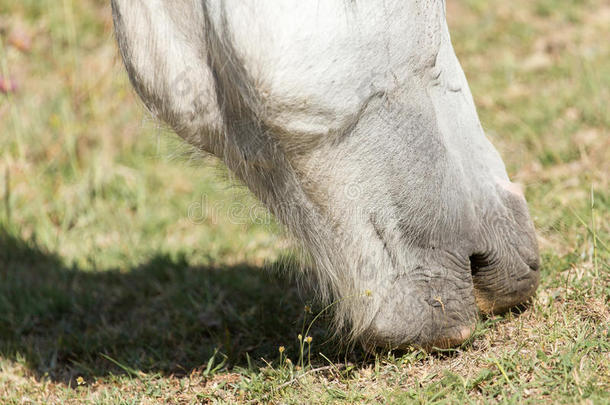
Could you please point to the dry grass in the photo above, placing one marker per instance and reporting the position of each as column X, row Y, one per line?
column 116, row 288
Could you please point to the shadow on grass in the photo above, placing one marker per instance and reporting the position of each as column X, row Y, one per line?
column 164, row 316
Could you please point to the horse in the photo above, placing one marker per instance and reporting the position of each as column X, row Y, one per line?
column 353, row 122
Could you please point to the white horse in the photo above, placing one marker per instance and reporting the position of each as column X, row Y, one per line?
column 353, row 122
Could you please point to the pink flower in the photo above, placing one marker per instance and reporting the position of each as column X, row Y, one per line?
column 7, row 85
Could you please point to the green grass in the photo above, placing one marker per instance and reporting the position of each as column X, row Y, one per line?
column 115, row 286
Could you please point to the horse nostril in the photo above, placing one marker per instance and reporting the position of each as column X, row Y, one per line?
column 478, row 262
column 503, row 278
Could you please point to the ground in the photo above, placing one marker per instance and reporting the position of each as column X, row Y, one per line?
column 134, row 271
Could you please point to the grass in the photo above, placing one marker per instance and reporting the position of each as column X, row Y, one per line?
column 133, row 272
